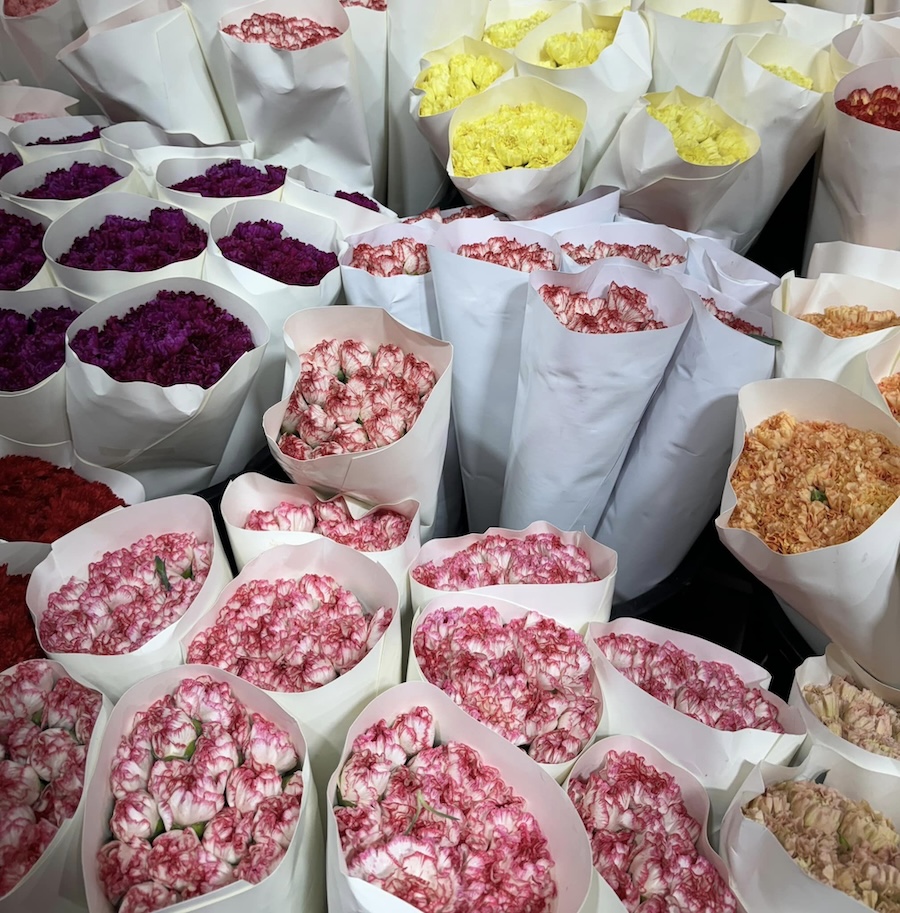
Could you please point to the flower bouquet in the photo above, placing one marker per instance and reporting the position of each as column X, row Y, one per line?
column 599, row 375
column 9, row 158
column 298, row 98
column 429, row 801
column 524, row 675
column 653, row 245
column 596, row 206
column 702, row 705
column 404, row 456
column 826, row 551
column 164, row 409
column 23, row 264
column 22, row 103
column 52, row 730
column 518, row 146
column 509, row 21
column 864, row 42
column 846, row 259
column 128, row 578
column 19, row 642
column 42, row 137
column 317, row 627
column 203, row 796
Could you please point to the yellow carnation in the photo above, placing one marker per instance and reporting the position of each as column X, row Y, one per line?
column 447, row 84
column 791, row 75
column 520, row 136
column 575, row 49
column 702, row 14
column 510, row 32
column 698, row 138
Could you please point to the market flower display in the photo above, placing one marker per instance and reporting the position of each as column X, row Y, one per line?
column 40, row 501
column 509, row 32
column 790, row 74
column 32, row 347
column 176, row 338
column 79, row 180
column 890, row 390
column 46, row 722
column 233, row 178
column 844, row 844
column 359, row 199
column 702, row 14
column 623, row 310
column 514, row 136
column 263, row 247
column 710, row 692
column 8, row 162
column 647, row 254
column 437, row 827
column 21, row 250
column 699, row 139
column 400, row 257
column 19, row 641
column 206, row 793
column 845, row 322
column 349, row 399
column 447, row 84
column 291, row 634
column 731, row 320
column 529, row 679
column 643, row 839
column 285, row 33
column 379, row 531
column 569, row 50
column 86, row 137
column 510, row 253
column 879, row 107
column 130, row 595
column 137, row 245
column 541, row 558
column 807, row 485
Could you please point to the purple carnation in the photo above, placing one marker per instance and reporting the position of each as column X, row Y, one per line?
column 93, row 133
column 359, row 198
column 8, row 161
column 77, row 181
column 234, row 179
column 137, row 245
column 177, row 338
column 21, row 251
column 260, row 246
column 32, row 348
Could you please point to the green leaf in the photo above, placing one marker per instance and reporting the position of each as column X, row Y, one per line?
column 817, row 494
column 161, row 572
column 189, row 573
column 768, row 340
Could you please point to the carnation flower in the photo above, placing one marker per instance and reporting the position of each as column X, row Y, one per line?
column 401, row 257
column 261, row 860
column 86, row 137
column 176, row 338
column 845, row 322
column 247, row 787
column 509, row 32
column 702, row 14
column 698, row 138
column 469, row 212
column 647, row 254
column 23, row 117
column 79, row 180
column 447, row 84
column 8, row 162
column 890, row 390
column 21, row 250
column 790, row 74
column 228, row 835
column 731, row 320
column 19, row 640
column 879, row 107
column 232, row 178
column 358, row 199
column 568, row 50
column 285, row 33
column 379, row 6
column 17, row 8
column 623, row 310
column 32, row 347
column 147, row 898
column 121, row 866
column 510, row 253
column 275, row 820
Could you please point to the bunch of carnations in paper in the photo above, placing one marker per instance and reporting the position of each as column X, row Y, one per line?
column 9, row 158
column 116, row 241
column 51, row 730
column 653, row 245
column 334, row 433
column 595, row 346
column 433, row 811
column 156, row 377
column 40, row 138
column 704, row 706
column 19, row 104
column 113, row 597
column 203, row 793
column 524, row 675
column 646, row 821
column 317, row 627
column 19, row 641
column 23, row 264
column 825, row 539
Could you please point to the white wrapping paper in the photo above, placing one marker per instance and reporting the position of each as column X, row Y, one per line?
column 71, row 554
column 855, row 260
column 848, row 591
column 27, row 134
column 95, row 11
column 813, row 25
column 171, row 438
column 632, row 233
column 295, row 883
column 44, row 277
column 16, row 99
column 730, row 273
column 581, row 397
column 881, row 361
column 597, row 205
column 864, row 43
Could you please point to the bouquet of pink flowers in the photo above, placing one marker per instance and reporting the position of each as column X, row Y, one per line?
column 653, row 245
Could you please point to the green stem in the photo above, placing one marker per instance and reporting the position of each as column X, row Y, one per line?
column 768, row 340
column 422, row 805
column 161, row 572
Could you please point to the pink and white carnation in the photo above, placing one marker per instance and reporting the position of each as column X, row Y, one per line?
column 147, row 897
column 710, row 692
column 349, row 399
column 510, row 253
column 585, row 254
column 129, row 596
column 289, row 635
column 284, row 33
column 731, row 320
column 623, row 310
column 400, row 257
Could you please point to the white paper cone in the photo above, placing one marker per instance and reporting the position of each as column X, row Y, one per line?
column 864, row 43
column 94, row 12
column 15, row 99
column 71, row 554
column 855, row 260
column 44, row 277
column 730, row 273
column 27, row 134
column 632, row 233
column 814, row 25
column 881, row 361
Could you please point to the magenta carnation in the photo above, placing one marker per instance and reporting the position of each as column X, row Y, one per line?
column 8, row 161
column 77, row 181
column 233, row 178
column 21, row 250
column 32, row 348
column 359, row 199
column 92, row 134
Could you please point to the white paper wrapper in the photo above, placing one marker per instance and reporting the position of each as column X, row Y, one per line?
column 610, row 85
column 13, row 68
column 407, row 469
column 720, row 760
column 168, row 85
column 555, row 814
column 855, row 260
column 327, row 712
column 730, row 273
column 633, row 233
column 95, row 11
column 685, row 437
column 522, row 193
column 881, row 361
column 863, row 43
column 14, row 183
column 813, row 25
column 597, row 205
column 44, row 277
column 55, row 880
column 690, row 54
column 70, row 556
column 171, row 438
column 23, row 135
column 750, row 848
column 297, row 878
column 581, row 397
column 90, row 213
column 848, row 591
column 301, row 106
column 16, row 99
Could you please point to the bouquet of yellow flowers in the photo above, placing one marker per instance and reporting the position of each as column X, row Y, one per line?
column 447, row 84
column 509, row 32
